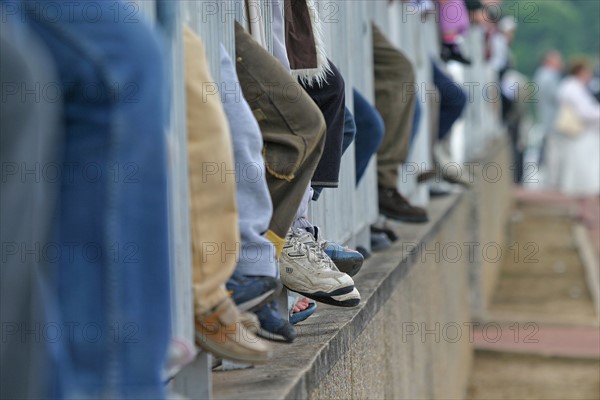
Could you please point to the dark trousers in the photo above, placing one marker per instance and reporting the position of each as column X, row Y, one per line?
column 330, row 99
column 347, row 139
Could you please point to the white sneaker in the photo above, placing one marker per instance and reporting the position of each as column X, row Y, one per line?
column 306, row 269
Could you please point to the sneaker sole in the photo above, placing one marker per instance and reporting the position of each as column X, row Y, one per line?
column 344, row 303
column 320, row 294
column 265, row 334
column 326, row 298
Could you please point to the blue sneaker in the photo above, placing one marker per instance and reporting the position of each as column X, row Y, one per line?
column 273, row 326
column 250, row 293
column 346, row 260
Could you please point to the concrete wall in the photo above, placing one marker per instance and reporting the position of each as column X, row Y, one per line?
column 417, row 345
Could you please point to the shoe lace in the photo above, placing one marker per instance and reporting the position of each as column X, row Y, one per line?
column 318, row 255
column 313, row 249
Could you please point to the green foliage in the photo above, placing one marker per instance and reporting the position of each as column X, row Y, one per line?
column 571, row 26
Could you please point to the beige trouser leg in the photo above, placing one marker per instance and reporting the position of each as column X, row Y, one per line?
column 215, row 231
column 395, row 95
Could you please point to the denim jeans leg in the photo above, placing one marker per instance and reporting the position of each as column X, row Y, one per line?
column 113, row 281
column 452, row 101
column 416, row 121
column 369, row 132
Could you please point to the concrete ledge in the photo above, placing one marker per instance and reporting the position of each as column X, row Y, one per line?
column 491, row 203
column 378, row 349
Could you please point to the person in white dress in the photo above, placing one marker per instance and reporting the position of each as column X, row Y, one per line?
column 547, row 78
column 576, row 159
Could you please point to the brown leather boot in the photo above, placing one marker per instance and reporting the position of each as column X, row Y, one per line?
column 396, row 207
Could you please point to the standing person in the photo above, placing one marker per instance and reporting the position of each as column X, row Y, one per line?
column 547, row 79
column 502, row 63
column 579, row 161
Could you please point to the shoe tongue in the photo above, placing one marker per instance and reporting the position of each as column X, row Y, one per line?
column 306, row 238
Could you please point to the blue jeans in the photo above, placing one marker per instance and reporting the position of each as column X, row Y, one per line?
column 369, row 133
column 112, row 280
column 452, row 100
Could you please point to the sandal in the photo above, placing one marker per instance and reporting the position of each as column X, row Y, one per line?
column 299, row 316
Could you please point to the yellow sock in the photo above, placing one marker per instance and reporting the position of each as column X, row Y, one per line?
column 277, row 241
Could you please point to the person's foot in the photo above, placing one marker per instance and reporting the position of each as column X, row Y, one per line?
column 439, row 175
column 250, row 321
column 453, row 52
column 365, row 253
column 455, row 178
column 222, row 332
column 396, row 207
column 380, row 241
column 300, row 304
column 345, row 259
column 302, row 314
column 443, row 188
column 427, row 175
column 391, row 235
column 250, row 293
column 350, row 299
column 302, row 309
column 306, row 269
column 273, row 326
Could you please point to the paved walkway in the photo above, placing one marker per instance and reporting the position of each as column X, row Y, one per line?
column 589, row 209
column 536, row 313
column 571, row 342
